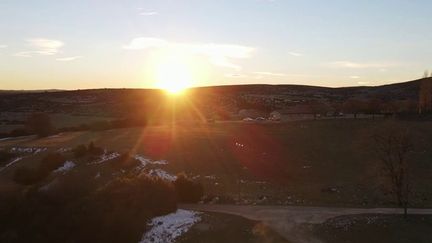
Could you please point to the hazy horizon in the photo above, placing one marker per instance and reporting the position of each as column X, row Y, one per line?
column 153, row 44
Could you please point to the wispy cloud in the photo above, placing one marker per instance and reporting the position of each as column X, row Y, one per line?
column 218, row 54
column 354, row 77
column 296, row 54
column 362, row 83
column 235, row 75
column 68, row 59
column 271, row 74
column 147, row 12
column 357, row 65
column 41, row 46
column 3, row 46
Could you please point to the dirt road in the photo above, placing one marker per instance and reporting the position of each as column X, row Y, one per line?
column 292, row 221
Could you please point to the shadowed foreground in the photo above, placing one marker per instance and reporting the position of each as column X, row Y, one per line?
column 294, row 223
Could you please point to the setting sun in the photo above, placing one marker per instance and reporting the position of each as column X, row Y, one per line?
column 173, row 75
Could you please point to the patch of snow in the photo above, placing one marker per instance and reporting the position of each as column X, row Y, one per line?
column 33, row 150
column 64, row 150
column 68, row 165
column 49, row 185
column 159, row 162
column 38, row 150
column 162, row 174
column 97, row 175
column 55, row 135
column 11, row 163
column 11, row 138
column 105, row 157
column 210, row 177
column 167, row 228
column 145, row 161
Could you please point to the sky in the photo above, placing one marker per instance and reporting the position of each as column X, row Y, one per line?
column 142, row 44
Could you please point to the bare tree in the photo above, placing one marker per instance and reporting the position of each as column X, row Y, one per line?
column 393, row 146
column 425, row 96
column 426, row 74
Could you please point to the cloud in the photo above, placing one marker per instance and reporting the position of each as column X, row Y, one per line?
column 271, row 74
column 68, row 59
column 46, row 46
column 357, row 65
column 362, row 83
column 235, row 75
column 3, row 46
column 149, row 13
column 41, row 46
column 354, row 77
column 296, row 54
column 218, row 54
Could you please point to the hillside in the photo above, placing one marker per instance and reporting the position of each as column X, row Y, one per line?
column 231, row 98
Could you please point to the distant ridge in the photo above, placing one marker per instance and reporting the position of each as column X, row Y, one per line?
column 409, row 87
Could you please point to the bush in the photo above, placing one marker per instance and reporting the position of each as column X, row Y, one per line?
column 40, row 124
column 124, row 161
column 5, row 156
column 93, row 150
column 187, row 190
column 79, row 151
column 82, row 150
column 51, row 162
column 30, row 176
column 15, row 133
column 116, row 212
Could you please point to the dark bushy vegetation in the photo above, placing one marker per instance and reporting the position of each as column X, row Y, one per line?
column 30, row 176
column 5, row 156
column 124, row 161
column 79, row 211
column 15, row 133
column 187, row 190
column 40, row 124
column 107, row 125
column 83, row 150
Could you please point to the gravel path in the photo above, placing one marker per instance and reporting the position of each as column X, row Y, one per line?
column 291, row 221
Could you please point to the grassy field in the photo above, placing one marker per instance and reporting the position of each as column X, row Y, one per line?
column 59, row 120
column 216, row 227
column 328, row 162
column 375, row 229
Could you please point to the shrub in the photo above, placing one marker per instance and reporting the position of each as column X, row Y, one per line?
column 5, row 156
column 40, row 124
column 117, row 212
column 187, row 190
column 79, row 151
column 124, row 161
column 30, row 176
column 19, row 132
column 93, row 150
column 51, row 161
column 82, row 150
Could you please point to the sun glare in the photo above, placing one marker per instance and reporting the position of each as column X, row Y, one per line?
column 173, row 75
